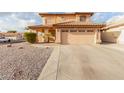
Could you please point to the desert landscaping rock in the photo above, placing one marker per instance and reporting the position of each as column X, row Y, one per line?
column 20, row 47
column 9, row 45
column 22, row 64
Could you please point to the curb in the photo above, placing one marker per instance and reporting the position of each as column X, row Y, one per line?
column 49, row 71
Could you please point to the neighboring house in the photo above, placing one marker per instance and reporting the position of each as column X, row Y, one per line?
column 12, row 36
column 0, row 34
column 69, row 28
column 114, row 33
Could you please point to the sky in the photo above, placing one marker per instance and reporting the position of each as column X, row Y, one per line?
column 19, row 20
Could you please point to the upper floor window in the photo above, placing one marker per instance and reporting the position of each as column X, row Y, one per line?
column 82, row 18
column 62, row 18
column 49, row 21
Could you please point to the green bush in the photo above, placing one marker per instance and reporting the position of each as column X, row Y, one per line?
column 30, row 37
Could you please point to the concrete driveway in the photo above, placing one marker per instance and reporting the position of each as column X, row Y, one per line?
column 88, row 62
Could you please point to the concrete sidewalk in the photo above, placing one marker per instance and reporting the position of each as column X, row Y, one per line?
column 50, row 70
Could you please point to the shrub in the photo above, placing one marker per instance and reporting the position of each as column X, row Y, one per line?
column 30, row 37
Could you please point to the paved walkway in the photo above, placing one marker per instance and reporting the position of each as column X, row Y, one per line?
column 85, row 62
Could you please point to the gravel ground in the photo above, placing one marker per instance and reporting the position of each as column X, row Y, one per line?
column 22, row 64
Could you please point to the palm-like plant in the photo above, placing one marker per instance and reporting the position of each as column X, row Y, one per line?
column 47, row 37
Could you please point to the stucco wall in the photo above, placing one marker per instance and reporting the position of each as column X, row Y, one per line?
column 115, row 35
column 57, row 19
column 121, row 37
column 109, row 36
column 52, row 19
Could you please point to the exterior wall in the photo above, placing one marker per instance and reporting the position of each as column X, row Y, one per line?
column 114, row 35
column 97, row 38
column 109, row 37
column 52, row 19
column 120, row 39
column 47, row 20
column 58, row 36
column 30, row 30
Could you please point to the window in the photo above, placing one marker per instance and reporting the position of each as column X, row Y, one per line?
column 82, row 18
column 64, row 30
column 89, row 30
column 49, row 21
column 73, row 30
column 81, row 30
column 62, row 17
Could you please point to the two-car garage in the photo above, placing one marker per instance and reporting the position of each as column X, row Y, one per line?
column 77, row 36
column 78, row 33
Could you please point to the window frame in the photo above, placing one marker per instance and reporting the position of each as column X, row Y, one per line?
column 83, row 18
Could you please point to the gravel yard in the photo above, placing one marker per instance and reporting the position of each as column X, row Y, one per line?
column 22, row 61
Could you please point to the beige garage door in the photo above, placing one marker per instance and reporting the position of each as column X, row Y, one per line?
column 77, row 37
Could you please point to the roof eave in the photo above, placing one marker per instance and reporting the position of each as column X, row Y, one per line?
column 39, row 27
column 73, row 13
column 79, row 26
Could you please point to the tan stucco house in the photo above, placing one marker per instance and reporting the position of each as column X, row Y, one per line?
column 69, row 28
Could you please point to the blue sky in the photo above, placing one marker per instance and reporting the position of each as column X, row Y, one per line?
column 19, row 20
column 103, row 17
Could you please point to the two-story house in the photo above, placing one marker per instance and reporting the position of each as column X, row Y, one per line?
column 70, row 28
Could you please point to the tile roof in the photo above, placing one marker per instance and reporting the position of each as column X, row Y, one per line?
column 69, row 23
column 65, row 13
column 40, row 26
column 75, row 23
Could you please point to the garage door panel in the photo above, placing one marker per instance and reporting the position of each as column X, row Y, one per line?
column 77, row 37
column 80, row 33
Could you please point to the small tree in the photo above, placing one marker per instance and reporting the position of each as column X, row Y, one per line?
column 30, row 37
